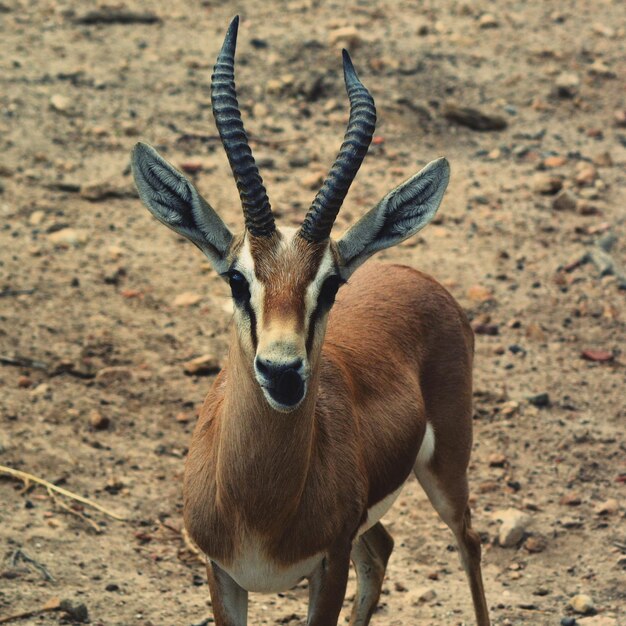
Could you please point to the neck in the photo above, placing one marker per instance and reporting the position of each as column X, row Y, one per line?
column 264, row 454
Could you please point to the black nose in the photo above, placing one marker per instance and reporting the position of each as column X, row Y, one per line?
column 282, row 380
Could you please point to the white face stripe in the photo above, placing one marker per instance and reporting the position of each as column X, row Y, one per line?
column 313, row 290
column 245, row 265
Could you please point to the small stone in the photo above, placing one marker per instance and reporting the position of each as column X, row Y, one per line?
column 586, row 175
column 582, row 603
column 205, row 365
column 486, row 329
column 599, row 68
column 535, row 332
column 540, row 400
column 36, row 217
column 554, row 161
column 59, row 103
column 568, row 621
column 69, row 236
column 479, row 293
column 98, row 421
column 186, row 299
column 488, row 21
column 599, row 356
column 497, row 460
column 182, row 417
column 535, row 544
column 192, row 166
column 620, row 118
column 473, row 118
column 564, row 201
column 106, row 189
column 566, row 85
column 348, row 36
column 313, row 180
column 570, row 499
column 424, row 594
column 603, row 159
column 114, row 374
column 546, row 184
column 112, row 587
column 24, row 382
column 608, row 507
column 512, row 528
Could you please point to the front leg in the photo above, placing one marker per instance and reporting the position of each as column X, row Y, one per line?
column 229, row 600
column 327, row 587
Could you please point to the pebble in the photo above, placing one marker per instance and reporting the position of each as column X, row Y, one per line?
column 424, row 594
column 568, row 621
column 473, row 118
column 497, row 460
column 347, row 36
column 313, row 180
column 599, row 68
column 36, row 217
column 554, row 161
column 479, row 293
column 24, row 382
column 608, row 507
column 512, row 528
column 546, row 184
column 203, row 365
column 535, row 544
column 187, row 298
column 69, row 236
column 567, row 85
column 620, row 118
column 600, row 356
column 488, row 21
column 586, row 175
column 582, row 603
column 564, row 201
column 540, row 400
column 103, row 190
column 98, row 421
column 60, row 104
column 114, row 374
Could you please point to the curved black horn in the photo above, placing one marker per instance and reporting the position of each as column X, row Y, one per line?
column 321, row 216
column 254, row 200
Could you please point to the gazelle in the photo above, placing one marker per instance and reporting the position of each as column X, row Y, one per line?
column 339, row 382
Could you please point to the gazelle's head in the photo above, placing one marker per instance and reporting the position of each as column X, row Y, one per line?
column 284, row 282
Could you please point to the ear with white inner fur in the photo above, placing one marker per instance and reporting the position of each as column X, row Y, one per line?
column 175, row 202
column 400, row 214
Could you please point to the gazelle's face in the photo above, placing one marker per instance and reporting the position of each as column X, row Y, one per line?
column 284, row 283
column 283, row 288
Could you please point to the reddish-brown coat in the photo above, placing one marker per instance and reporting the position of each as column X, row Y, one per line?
column 398, row 351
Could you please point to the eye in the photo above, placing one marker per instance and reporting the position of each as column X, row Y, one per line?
column 239, row 286
column 329, row 290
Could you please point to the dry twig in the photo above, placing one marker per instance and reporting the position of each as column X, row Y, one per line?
column 25, row 476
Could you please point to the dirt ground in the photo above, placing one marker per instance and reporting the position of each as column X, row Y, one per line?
column 101, row 307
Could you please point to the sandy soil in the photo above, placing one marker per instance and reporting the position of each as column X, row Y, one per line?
column 90, row 284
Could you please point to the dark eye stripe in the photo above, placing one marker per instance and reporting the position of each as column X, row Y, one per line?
column 320, row 307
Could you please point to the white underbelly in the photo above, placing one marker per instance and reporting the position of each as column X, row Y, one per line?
column 375, row 513
column 253, row 570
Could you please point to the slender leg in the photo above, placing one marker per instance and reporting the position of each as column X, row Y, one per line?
column 229, row 600
column 327, row 588
column 369, row 554
column 449, row 495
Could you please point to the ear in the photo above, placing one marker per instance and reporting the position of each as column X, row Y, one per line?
column 400, row 214
column 175, row 202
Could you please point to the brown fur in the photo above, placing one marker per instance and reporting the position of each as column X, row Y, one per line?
column 303, row 478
